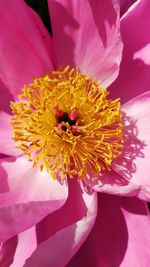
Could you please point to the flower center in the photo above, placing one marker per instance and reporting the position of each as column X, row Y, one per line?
column 66, row 123
column 64, row 117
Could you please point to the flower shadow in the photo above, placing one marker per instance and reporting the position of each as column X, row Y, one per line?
column 107, row 16
column 107, row 243
column 5, row 98
column 66, row 22
column 134, row 78
column 133, row 148
column 72, row 211
column 8, row 250
column 3, row 181
column 4, row 186
column 124, row 167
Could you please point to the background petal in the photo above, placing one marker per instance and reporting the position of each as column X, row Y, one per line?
column 27, row 195
column 24, row 44
column 134, row 77
column 86, row 34
column 120, row 236
column 55, row 240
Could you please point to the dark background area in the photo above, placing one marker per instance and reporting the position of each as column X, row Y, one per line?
column 41, row 7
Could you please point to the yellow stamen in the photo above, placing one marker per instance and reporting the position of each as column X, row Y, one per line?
column 65, row 122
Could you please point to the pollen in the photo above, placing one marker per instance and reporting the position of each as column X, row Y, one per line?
column 66, row 123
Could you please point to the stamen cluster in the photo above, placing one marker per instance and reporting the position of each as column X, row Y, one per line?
column 66, row 123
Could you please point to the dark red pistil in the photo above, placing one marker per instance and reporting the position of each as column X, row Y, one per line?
column 62, row 116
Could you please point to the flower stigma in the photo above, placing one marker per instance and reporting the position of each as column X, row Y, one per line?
column 66, row 123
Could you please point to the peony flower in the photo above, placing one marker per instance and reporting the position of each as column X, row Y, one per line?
column 74, row 156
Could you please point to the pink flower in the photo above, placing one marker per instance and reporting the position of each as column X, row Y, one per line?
column 43, row 222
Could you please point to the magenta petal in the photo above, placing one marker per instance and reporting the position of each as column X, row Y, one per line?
column 125, row 4
column 7, row 145
column 86, row 34
column 62, row 233
column 5, row 98
column 134, row 77
column 25, row 52
column 16, row 250
column 27, row 196
column 120, row 236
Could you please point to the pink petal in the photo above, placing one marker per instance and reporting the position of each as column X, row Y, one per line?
column 130, row 173
column 134, row 162
column 86, row 34
column 24, row 45
column 15, row 250
column 125, row 4
column 134, row 77
column 56, row 239
column 112, row 182
column 5, row 98
column 27, row 196
column 128, row 189
column 120, row 236
column 3, row 156
column 7, row 145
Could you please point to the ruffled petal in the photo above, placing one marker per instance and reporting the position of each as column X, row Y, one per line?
column 24, row 45
column 27, row 195
column 134, row 78
column 56, row 239
column 133, row 164
column 120, row 236
column 86, row 34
